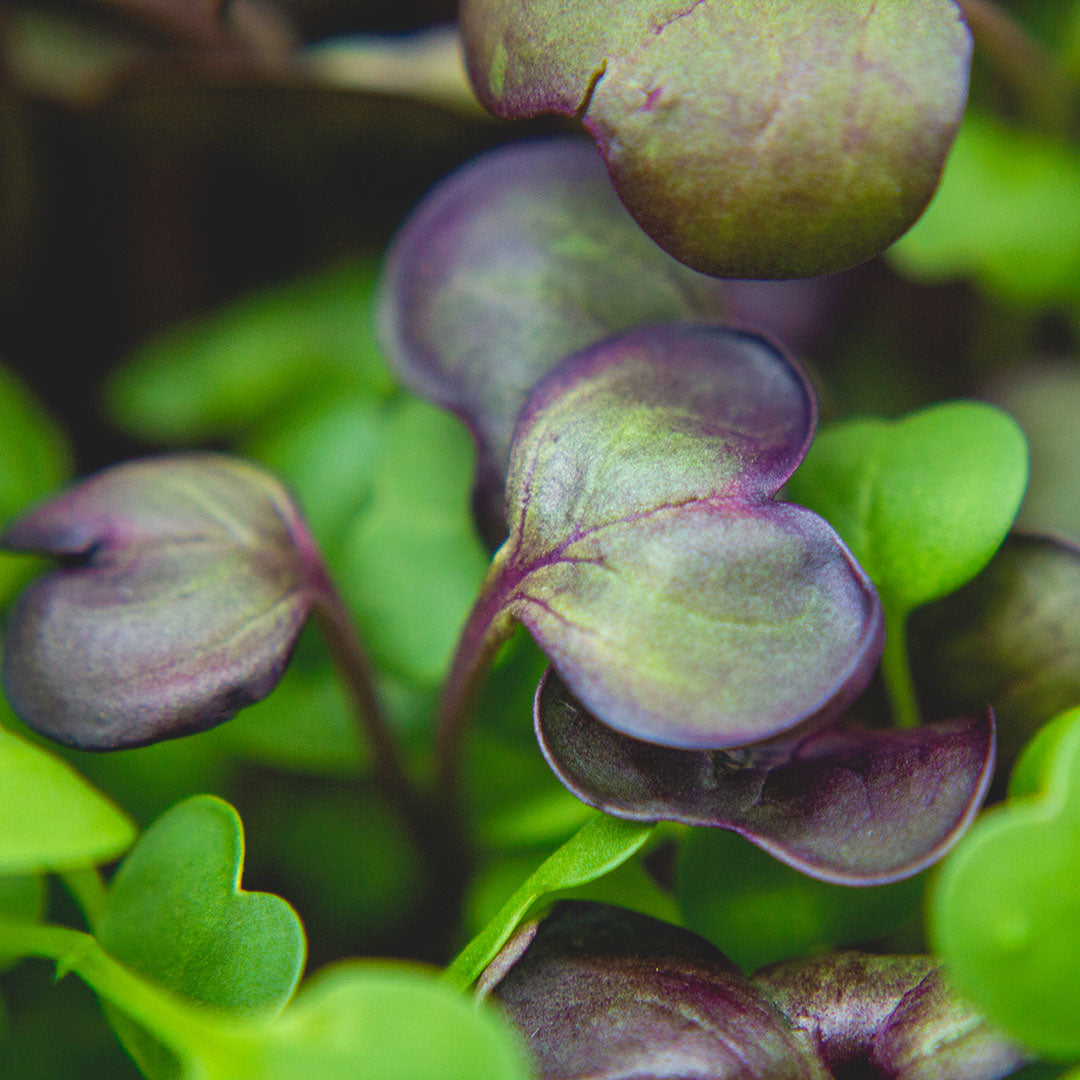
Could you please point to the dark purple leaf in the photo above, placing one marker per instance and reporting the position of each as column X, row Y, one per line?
column 182, row 587
column 648, row 558
column 601, row 992
column 748, row 139
column 843, row 804
column 525, row 256
column 1009, row 639
column 894, row 1014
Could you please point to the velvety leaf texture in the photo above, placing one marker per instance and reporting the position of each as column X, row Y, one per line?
column 803, row 136
column 842, row 804
column 599, row 991
column 1010, row 639
column 524, row 256
column 182, row 587
column 647, row 558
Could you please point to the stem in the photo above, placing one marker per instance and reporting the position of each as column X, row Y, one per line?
column 86, row 886
column 1033, row 71
column 896, row 670
column 487, row 628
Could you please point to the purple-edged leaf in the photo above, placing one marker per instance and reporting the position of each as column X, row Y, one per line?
column 748, row 139
column 648, row 558
column 605, row 992
column 182, row 587
column 1010, row 639
column 524, row 256
column 893, row 1014
column 843, row 804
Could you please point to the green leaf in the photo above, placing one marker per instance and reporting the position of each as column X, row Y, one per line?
column 757, row 911
column 1005, row 914
column 236, row 366
column 37, row 460
column 412, row 563
column 51, row 819
column 1007, row 214
column 923, row 502
column 20, row 898
column 599, row 846
column 175, row 913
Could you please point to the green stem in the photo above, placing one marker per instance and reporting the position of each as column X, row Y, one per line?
column 1044, row 88
column 86, row 886
column 896, row 670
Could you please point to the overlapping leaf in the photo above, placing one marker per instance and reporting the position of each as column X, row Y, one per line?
column 648, row 559
column 842, row 804
column 183, row 585
column 801, row 138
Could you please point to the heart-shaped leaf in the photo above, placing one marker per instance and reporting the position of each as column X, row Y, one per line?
column 843, row 804
column 51, row 819
column 1010, row 639
column 183, row 585
column 1006, row 911
column 895, row 1017
column 603, row 992
column 923, row 502
column 757, row 910
column 648, row 558
column 175, row 913
column 803, row 136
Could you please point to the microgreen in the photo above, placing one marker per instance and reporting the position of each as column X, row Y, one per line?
column 835, row 802
column 753, row 160
column 1006, row 910
column 640, row 497
column 923, row 502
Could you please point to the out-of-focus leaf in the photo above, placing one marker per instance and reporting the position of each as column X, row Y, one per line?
column 220, row 375
column 844, row 804
column 757, row 910
column 184, row 585
column 411, row 562
column 1007, row 214
column 51, row 819
column 1005, row 914
column 924, row 501
column 20, row 898
column 648, row 558
column 599, row 846
column 36, row 460
column 799, row 138
column 1010, row 639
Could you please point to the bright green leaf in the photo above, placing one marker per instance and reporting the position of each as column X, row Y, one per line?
column 757, row 911
column 1005, row 914
column 923, row 502
column 1007, row 213
column 599, row 846
column 51, row 819
column 236, row 366
column 175, row 912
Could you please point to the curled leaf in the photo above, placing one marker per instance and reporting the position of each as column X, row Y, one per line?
column 647, row 556
column 182, row 587
column 843, row 804
column 1010, row 639
column 804, row 137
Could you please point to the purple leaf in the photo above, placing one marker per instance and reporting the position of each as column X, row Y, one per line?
column 844, row 804
column 1009, row 639
column 894, row 1013
column 182, row 587
column 525, row 256
column 748, row 139
column 648, row 558
column 605, row 992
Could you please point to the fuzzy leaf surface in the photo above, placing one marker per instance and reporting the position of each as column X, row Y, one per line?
column 804, row 137
column 182, row 587
column 840, row 803
column 648, row 558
